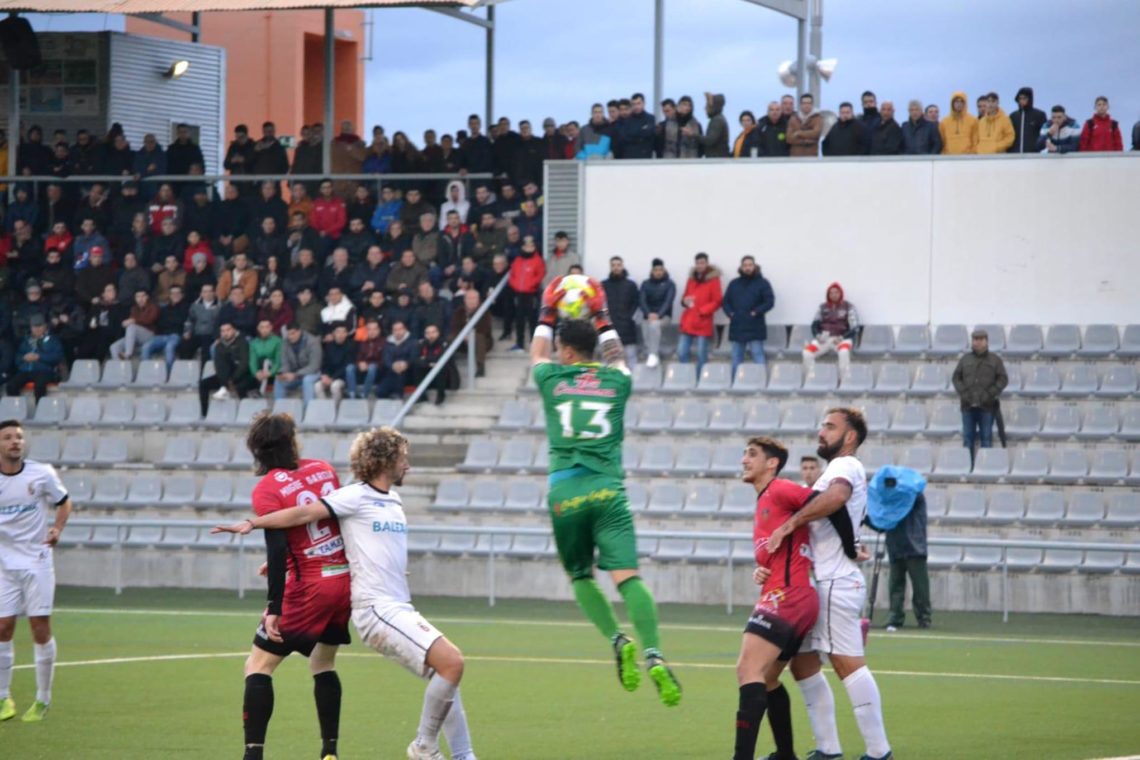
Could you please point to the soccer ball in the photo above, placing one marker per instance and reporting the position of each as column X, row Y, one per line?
column 578, row 292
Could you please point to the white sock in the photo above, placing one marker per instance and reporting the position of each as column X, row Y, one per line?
column 456, row 731
column 820, row 704
column 7, row 656
column 868, row 707
column 438, row 698
column 45, row 670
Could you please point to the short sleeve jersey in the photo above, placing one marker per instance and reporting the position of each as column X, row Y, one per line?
column 791, row 563
column 827, row 548
column 376, row 541
column 316, row 550
column 585, row 415
column 26, row 499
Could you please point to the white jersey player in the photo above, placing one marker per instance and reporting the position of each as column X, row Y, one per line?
column 28, row 492
column 375, row 533
column 834, row 517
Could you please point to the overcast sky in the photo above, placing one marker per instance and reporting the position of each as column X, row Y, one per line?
column 556, row 57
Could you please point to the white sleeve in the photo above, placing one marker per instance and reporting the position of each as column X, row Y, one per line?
column 341, row 502
column 53, row 487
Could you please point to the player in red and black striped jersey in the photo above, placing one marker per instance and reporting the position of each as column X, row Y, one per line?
column 310, row 600
column 788, row 605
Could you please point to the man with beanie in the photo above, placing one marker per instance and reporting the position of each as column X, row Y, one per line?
column 748, row 298
column 1027, row 123
column 655, row 299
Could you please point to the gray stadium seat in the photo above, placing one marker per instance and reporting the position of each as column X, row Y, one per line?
column 422, row 542
column 702, row 498
column 693, row 458
column 487, row 494
column 1118, row 381
column 726, row 416
column 821, row 379
column 1045, row 508
column 1102, row 562
column 1061, row 422
column 50, row 410
column 943, row 557
column 918, row 457
column 117, row 373
column 799, row 418
column 451, row 494
column 217, row 492
column 221, row 412
column 1081, row 380
column 242, row 457
column 1061, row 560
column 523, row 496
column 1062, row 340
column 1022, row 420
column 1085, row 508
column 857, row 380
column 646, row 379
column 516, row 454
column 909, row 419
column 637, row 494
column 1123, row 510
column 715, row 378
column 151, row 374
column 1041, row 381
column 179, row 491
column 674, row 549
column 178, row 538
column 785, row 378
column 679, row 378
column 247, row 409
column 110, row 491
column 383, row 411
column 930, row 380
column 208, row 369
column 892, row 378
column 528, row 546
column 1130, row 341
column 1131, row 564
column 953, row 462
column 14, row 408
column 319, row 413
column 515, row 415
column 936, row 502
column 950, row 340
column 1023, row 560
column 144, row 535
column 1029, row 465
column 912, row 340
column 656, row 458
column 725, row 460
column 1109, row 466
column 118, row 411
column 79, row 488
column 184, row 411
column 85, row 411
column 107, row 535
column 84, row 374
column 966, row 505
column 630, row 455
column 750, row 378
column 1013, row 372
column 542, row 458
column 314, row 447
column 352, row 414
column 710, row 551
column 629, row 418
column 980, row 558
column 762, row 416
column 875, row 457
column 208, row 541
column 144, row 491
column 77, row 450
column 878, row 418
column 691, row 415
column 1005, row 507
column 1099, row 340
column 1024, row 340
column 799, row 337
column 44, row 447
column 876, row 340
column 1069, row 465
column 482, row 456
column 294, row 407
column 739, row 500
column 112, row 449
column 150, row 411
column 184, row 374
column 665, row 498
column 214, row 452
column 654, row 415
column 777, row 341
column 1099, row 421
column 945, row 420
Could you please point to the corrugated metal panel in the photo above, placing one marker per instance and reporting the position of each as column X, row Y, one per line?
column 186, row 6
column 562, row 203
column 143, row 100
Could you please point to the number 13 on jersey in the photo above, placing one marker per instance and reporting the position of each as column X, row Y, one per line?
column 584, row 419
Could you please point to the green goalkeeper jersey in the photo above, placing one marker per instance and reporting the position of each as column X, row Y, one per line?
column 585, row 415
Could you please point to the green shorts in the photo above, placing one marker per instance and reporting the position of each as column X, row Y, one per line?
column 592, row 512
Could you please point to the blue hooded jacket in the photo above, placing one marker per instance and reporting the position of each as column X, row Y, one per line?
column 746, row 302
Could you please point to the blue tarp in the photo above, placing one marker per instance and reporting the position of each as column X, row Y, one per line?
column 891, row 495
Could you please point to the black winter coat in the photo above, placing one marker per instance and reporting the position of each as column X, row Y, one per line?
column 623, row 298
column 746, row 301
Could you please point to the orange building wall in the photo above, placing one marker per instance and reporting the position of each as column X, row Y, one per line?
column 275, row 65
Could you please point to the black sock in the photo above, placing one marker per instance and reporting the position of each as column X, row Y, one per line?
column 256, row 711
column 780, row 721
column 753, row 700
column 326, row 692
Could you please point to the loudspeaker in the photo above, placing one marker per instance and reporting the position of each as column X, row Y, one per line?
column 19, row 42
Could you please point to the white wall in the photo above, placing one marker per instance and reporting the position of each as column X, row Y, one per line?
column 1018, row 239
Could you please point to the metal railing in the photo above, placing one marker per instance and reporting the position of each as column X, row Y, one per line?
column 122, row 527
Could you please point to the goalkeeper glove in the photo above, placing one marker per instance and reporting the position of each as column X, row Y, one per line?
column 548, row 312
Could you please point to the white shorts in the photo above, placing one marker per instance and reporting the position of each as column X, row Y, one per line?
column 397, row 632
column 27, row 592
column 838, row 630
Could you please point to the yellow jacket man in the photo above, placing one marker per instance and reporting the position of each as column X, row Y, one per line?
column 959, row 130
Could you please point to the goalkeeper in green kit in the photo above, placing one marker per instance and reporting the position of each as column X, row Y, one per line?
column 585, row 403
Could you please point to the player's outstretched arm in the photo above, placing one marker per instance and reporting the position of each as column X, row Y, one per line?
column 542, row 344
column 821, row 506
column 613, row 352
column 285, row 518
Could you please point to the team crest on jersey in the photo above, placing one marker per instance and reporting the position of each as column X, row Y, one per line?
column 281, row 477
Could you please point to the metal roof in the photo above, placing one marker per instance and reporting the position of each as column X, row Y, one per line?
column 186, row 6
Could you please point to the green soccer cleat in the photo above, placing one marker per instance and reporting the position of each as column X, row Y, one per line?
column 35, row 713
column 7, row 709
column 668, row 687
column 625, row 651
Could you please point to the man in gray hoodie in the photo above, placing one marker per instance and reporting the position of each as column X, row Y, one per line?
column 201, row 326
column 300, row 364
column 715, row 140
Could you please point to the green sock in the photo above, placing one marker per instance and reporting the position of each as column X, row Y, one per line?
column 597, row 608
column 642, row 610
